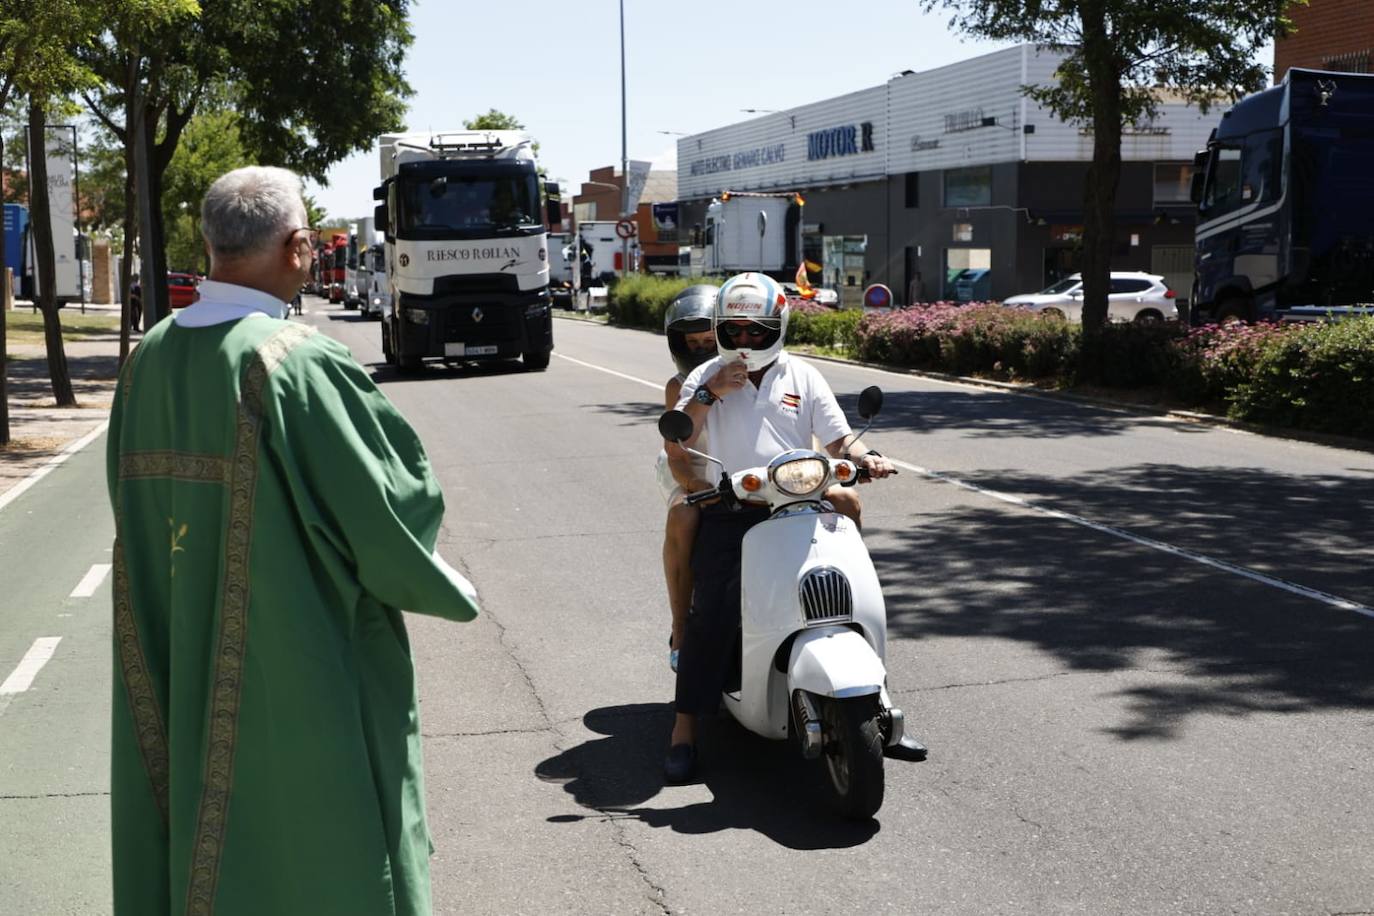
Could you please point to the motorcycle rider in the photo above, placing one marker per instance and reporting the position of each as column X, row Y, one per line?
column 753, row 401
column 687, row 325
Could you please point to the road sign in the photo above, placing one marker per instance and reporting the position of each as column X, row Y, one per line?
column 625, row 229
column 877, row 296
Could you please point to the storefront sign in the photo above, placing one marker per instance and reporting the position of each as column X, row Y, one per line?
column 968, row 119
column 744, row 159
column 840, row 141
column 919, row 146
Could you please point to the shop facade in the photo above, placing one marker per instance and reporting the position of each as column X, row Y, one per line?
column 952, row 184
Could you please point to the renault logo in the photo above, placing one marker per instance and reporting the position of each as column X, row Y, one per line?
column 477, row 314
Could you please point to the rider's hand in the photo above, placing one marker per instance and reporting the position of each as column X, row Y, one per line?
column 875, row 464
column 729, row 377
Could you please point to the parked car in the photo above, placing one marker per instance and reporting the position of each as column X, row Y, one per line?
column 824, row 296
column 181, row 289
column 1135, row 296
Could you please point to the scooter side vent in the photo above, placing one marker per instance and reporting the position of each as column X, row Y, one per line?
column 826, row 596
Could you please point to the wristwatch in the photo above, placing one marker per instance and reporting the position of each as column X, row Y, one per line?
column 703, row 395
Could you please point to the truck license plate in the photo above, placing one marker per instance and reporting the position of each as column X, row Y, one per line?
column 458, row 349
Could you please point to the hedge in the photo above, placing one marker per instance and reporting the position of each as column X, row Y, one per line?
column 1317, row 377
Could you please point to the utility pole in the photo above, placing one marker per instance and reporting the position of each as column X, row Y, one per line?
column 624, row 152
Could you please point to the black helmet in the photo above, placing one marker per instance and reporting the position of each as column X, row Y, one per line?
column 690, row 312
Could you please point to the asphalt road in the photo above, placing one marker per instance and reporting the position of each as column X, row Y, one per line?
column 1139, row 649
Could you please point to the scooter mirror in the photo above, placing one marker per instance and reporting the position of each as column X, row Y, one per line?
column 675, row 426
column 870, row 402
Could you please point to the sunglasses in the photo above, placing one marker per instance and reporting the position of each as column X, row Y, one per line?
column 753, row 329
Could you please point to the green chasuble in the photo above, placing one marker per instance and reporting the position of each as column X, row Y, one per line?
column 273, row 513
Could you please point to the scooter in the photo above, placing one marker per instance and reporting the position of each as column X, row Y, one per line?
column 813, row 625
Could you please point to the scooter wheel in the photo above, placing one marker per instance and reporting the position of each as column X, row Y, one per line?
column 851, row 758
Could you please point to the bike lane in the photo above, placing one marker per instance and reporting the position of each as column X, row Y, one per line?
column 55, row 541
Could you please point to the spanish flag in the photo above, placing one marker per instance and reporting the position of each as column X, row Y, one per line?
column 804, row 287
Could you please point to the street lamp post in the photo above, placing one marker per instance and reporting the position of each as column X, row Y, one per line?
column 624, row 151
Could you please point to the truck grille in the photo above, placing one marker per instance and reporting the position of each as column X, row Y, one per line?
column 825, row 596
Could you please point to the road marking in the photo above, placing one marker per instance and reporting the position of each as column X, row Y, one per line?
column 630, row 378
column 91, row 581
column 18, row 489
column 1294, row 588
column 29, row 666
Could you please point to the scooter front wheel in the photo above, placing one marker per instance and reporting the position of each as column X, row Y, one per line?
column 852, row 755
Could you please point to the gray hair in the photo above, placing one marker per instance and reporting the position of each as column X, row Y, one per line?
column 249, row 210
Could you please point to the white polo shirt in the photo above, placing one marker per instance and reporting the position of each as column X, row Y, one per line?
column 752, row 426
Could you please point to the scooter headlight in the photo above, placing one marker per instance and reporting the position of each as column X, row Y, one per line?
column 800, row 476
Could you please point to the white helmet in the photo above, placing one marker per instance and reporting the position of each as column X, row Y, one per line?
column 751, row 298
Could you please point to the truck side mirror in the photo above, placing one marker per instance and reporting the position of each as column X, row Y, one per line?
column 379, row 219
column 379, row 192
column 1195, row 188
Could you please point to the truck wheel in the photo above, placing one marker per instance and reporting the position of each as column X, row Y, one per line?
column 852, row 757
column 536, row 362
column 1233, row 311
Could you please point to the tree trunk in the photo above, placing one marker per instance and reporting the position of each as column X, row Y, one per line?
column 154, row 287
column 126, row 270
column 1104, row 173
column 157, row 236
column 40, row 215
column 4, row 358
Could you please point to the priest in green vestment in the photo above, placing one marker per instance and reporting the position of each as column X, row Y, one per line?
column 274, row 515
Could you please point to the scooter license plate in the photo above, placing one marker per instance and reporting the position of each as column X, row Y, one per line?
column 458, row 349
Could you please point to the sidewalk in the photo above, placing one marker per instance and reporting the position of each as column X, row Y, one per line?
column 39, row 431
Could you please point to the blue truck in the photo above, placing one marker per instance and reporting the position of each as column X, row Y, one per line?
column 1285, row 196
column 17, row 247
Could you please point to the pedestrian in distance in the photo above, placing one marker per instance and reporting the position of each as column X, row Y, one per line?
column 273, row 515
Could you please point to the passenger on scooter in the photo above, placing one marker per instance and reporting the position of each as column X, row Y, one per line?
column 753, row 401
column 687, row 325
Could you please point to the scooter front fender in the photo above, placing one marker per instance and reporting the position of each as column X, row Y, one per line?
column 834, row 662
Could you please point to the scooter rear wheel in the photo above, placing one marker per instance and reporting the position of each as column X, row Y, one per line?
column 852, row 757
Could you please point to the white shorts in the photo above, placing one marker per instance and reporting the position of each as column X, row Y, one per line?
column 667, row 483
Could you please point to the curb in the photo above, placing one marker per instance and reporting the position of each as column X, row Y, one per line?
column 1184, row 416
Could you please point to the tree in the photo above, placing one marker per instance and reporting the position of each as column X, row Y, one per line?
column 1119, row 57
column 210, row 146
column 493, row 120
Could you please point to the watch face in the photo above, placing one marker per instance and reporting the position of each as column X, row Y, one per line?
column 703, row 395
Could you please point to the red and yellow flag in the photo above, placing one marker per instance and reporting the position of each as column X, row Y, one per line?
column 804, row 287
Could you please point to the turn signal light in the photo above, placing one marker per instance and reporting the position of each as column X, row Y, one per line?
column 844, row 471
column 752, row 483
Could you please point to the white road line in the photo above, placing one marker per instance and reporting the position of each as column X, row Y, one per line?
column 91, row 581
column 20, row 488
column 1221, row 565
column 29, row 666
column 630, row 378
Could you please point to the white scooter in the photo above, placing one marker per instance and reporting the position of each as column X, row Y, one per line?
column 813, row 623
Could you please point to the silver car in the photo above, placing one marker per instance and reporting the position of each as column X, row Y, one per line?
column 1134, row 296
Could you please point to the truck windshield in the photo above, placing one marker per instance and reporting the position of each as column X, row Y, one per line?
column 469, row 205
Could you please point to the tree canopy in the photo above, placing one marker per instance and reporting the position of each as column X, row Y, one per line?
column 493, row 120
column 1120, row 57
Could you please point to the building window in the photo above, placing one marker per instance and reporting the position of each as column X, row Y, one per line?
column 968, row 274
column 913, row 190
column 970, row 187
column 963, row 232
column 1173, row 183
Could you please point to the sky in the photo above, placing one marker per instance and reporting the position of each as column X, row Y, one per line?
column 689, row 67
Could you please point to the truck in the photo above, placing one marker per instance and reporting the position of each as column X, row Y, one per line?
column 1285, row 227
column 463, row 214
column 333, row 264
column 752, row 231
column 376, row 294
column 357, row 273
column 562, row 265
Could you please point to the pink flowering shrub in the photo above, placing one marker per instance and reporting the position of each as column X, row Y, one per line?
column 980, row 337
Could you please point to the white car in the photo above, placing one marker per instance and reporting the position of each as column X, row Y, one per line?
column 1134, row 296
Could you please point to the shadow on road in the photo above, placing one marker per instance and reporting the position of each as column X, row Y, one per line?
column 384, row 374
column 1100, row 603
column 757, row 785
column 994, row 415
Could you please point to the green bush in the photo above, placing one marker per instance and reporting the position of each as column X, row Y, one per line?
column 1318, row 377
column 640, row 300
column 823, row 327
column 1130, row 355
